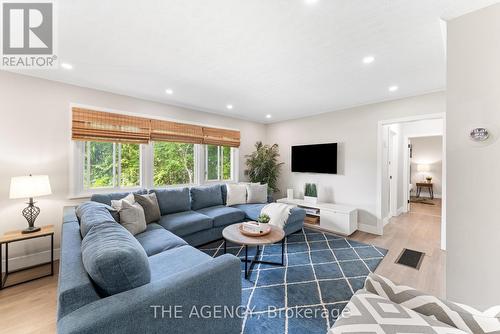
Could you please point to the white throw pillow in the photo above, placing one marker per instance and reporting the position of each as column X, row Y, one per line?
column 256, row 193
column 236, row 194
column 117, row 205
column 132, row 217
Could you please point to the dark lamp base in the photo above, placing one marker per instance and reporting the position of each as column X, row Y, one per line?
column 31, row 229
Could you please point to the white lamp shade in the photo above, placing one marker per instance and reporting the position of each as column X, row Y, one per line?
column 29, row 186
column 423, row 168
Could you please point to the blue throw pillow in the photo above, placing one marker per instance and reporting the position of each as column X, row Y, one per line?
column 203, row 197
column 93, row 213
column 173, row 200
column 114, row 259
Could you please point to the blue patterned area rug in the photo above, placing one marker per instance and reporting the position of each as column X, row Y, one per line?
column 321, row 273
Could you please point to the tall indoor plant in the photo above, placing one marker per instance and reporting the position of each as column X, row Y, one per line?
column 263, row 166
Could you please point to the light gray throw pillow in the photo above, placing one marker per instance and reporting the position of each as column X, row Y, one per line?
column 256, row 193
column 236, row 194
column 150, row 205
column 132, row 217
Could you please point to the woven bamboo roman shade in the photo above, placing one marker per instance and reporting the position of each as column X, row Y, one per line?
column 222, row 137
column 91, row 125
column 176, row 132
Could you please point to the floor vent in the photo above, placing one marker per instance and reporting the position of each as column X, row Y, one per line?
column 411, row 258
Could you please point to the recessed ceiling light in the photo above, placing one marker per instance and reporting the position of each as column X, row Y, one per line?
column 229, row 106
column 393, row 88
column 368, row 59
column 169, row 91
column 268, row 116
column 67, row 66
column 310, row 2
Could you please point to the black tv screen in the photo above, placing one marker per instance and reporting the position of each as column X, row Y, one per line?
column 321, row 158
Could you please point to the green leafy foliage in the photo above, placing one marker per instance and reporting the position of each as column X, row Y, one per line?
column 113, row 164
column 263, row 165
column 218, row 162
column 102, row 162
column 263, row 218
column 173, row 163
column 131, row 166
column 311, row 190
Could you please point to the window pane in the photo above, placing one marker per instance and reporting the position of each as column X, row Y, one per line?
column 212, row 162
column 173, row 163
column 226, row 163
column 98, row 165
column 130, row 165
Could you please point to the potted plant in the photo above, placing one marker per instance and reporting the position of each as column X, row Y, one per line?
column 263, row 218
column 263, row 166
column 429, row 179
column 311, row 193
column 263, row 221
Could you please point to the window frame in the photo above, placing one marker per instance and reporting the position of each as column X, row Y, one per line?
column 77, row 188
column 220, row 156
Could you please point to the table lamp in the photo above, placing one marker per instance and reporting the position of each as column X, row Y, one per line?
column 423, row 169
column 29, row 187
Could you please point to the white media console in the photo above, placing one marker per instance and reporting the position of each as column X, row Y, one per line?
column 340, row 219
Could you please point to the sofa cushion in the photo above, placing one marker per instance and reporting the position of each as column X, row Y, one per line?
column 173, row 200
column 462, row 317
column 252, row 211
column 173, row 261
column 206, row 196
column 370, row 313
column 93, row 213
column 223, row 215
column 114, row 259
column 185, row 223
column 107, row 198
column 156, row 239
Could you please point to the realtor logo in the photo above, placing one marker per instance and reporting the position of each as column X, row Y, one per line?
column 28, row 34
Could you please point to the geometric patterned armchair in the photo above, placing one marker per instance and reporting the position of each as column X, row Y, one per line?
column 383, row 307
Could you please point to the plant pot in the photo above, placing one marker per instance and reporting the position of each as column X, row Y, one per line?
column 309, row 199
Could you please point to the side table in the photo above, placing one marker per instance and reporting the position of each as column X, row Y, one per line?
column 16, row 236
column 429, row 187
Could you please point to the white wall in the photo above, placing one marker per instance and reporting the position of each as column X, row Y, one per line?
column 35, row 138
column 356, row 131
column 473, row 170
column 428, row 151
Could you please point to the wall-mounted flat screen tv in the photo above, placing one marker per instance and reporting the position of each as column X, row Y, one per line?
column 320, row 158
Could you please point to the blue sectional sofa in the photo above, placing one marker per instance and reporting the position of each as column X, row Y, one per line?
column 174, row 276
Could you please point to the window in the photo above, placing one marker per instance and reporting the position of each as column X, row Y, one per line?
column 111, row 165
column 173, row 164
column 218, row 163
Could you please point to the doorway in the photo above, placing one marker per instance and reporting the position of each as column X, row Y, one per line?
column 424, row 174
column 407, row 179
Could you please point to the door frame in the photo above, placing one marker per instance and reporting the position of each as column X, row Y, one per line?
column 380, row 161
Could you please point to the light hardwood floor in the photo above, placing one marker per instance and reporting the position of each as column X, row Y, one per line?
column 420, row 230
column 31, row 308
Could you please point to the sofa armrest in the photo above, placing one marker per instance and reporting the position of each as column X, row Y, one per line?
column 192, row 301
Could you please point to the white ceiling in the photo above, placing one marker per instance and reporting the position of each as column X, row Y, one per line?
column 281, row 57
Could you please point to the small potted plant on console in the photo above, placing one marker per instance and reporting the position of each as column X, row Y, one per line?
column 311, row 193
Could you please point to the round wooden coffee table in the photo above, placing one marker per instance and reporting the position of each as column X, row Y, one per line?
column 232, row 233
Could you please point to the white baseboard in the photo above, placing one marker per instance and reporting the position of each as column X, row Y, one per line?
column 30, row 260
column 368, row 229
column 401, row 210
